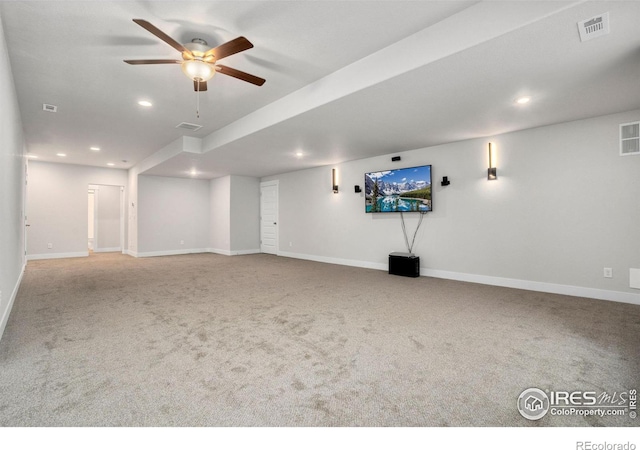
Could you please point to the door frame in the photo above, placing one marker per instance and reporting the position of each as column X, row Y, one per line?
column 122, row 227
column 25, row 220
column 92, row 190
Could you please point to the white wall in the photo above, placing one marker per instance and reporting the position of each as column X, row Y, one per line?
column 220, row 219
column 245, row 215
column 12, row 178
column 565, row 206
column 171, row 211
column 58, row 209
column 220, row 215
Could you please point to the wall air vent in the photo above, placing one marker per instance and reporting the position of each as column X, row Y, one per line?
column 49, row 108
column 594, row 27
column 630, row 138
column 189, row 126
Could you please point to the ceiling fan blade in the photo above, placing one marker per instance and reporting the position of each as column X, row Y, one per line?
column 232, row 47
column 200, row 87
column 152, row 61
column 162, row 35
column 240, row 75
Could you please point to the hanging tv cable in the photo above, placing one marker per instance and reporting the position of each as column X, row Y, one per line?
column 404, row 231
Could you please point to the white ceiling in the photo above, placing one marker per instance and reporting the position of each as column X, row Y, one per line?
column 345, row 79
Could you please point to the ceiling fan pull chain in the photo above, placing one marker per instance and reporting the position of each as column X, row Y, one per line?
column 198, row 100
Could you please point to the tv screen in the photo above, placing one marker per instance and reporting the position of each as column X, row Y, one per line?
column 398, row 190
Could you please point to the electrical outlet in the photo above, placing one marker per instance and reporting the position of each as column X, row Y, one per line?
column 181, row 242
column 290, row 244
column 49, row 245
column 608, row 272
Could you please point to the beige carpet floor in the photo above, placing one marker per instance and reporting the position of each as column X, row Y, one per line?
column 260, row 340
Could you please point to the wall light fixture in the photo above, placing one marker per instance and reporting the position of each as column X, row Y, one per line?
column 492, row 172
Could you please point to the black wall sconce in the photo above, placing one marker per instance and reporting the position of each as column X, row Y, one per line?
column 492, row 172
column 357, row 189
column 445, row 181
column 333, row 181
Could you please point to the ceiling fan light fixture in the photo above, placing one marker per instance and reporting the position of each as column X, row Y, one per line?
column 199, row 61
column 198, row 70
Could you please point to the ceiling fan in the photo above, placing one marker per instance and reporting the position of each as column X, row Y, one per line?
column 199, row 61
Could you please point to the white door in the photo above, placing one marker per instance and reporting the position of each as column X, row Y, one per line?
column 269, row 217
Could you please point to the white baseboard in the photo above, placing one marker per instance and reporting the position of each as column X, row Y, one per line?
column 57, row 255
column 246, row 252
column 219, row 251
column 7, row 310
column 339, row 261
column 551, row 288
column 192, row 250
column 107, row 250
column 171, row 252
column 234, row 252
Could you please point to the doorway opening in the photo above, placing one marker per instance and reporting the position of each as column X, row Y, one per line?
column 92, row 218
column 105, row 207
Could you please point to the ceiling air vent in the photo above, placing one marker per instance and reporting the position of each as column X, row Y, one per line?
column 630, row 138
column 49, row 108
column 189, row 126
column 594, row 27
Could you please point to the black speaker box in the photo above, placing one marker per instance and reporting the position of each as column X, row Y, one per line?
column 404, row 264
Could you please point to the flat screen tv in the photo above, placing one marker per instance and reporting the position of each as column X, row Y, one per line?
column 398, row 190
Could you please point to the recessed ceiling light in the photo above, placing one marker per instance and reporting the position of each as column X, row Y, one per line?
column 523, row 100
column 299, row 154
column 146, row 103
column 61, row 154
column 110, row 164
column 95, row 149
column 32, row 156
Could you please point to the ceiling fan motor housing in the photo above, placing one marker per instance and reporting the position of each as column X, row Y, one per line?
column 196, row 66
column 198, row 48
